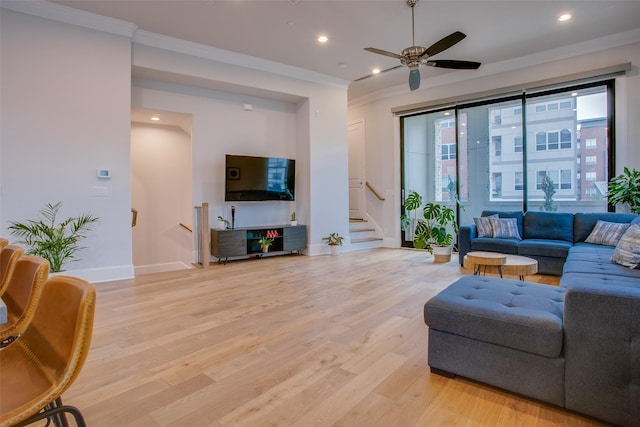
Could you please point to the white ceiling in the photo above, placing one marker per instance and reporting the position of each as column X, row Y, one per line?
column 285, row 31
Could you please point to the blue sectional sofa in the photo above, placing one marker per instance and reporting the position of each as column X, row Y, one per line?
column 576, row 345
column 546, row 236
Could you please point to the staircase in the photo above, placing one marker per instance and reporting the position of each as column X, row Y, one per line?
column 363, row 236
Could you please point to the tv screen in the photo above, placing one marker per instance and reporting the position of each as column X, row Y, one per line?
column 259, row 178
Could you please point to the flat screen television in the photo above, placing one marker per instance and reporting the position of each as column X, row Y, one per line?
column 249, row 178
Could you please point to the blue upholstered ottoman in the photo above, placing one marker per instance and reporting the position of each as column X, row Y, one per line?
column 506, row 333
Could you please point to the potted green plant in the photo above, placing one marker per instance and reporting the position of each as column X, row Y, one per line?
column 431, row 232
column 265, row 242
column 625, row 188
column 334, row 241
column 57, row 243
column 293, row 218
column 223, row 224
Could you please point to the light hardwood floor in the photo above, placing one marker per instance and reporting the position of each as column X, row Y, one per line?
column 293, row 340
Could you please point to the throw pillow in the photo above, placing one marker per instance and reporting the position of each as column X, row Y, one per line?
column 627, row 251
column 505, row 228
column 607, row 233
column 483, row 224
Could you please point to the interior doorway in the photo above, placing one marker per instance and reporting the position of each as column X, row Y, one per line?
column 356, row 170
column 161, row 191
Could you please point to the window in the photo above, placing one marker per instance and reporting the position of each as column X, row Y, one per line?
column 448, row 151
column 518, row 182
column 541, row 141
column 497, row 146
column 565, row 179
column 517, row 144
column 565, row 139
column 544, row 129
column 497, row 184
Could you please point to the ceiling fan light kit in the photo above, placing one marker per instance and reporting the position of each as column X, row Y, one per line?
column 414, row 56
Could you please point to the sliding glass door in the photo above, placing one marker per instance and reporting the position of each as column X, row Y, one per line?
column 548, row 151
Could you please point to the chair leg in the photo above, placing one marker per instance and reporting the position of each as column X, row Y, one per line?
column 55, row 412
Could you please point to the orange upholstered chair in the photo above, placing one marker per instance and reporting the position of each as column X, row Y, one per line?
column 3, row 242
column 22, row 295
column 40, row 365
column 8, row 257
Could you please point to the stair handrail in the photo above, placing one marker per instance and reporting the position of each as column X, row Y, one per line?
column 373, row 190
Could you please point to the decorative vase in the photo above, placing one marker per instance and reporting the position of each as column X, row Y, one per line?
column 441, row 253
column 334, row 249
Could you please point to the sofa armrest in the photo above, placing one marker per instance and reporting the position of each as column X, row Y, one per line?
column 602, row 351
column 466, row 233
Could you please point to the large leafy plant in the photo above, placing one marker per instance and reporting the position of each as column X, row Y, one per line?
column 433, row 228
column 625, row 188
column 57, row 243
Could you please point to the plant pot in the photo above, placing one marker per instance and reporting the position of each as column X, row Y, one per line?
column 265, row 249
column 222, row 225
column 334, row 249
column 441, row 253
column 294, row 222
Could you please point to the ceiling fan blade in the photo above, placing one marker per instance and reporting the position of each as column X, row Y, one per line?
column 382, row 52
column 451, row 63
column 414, row 78
column 381, row 72
column 444, row 44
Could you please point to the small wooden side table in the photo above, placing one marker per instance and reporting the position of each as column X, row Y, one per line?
column 479, row 259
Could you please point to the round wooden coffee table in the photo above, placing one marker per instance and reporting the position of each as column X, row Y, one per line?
column 513, row 265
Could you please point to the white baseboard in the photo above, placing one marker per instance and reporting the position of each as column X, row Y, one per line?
column 103, row 274
column 160, row 268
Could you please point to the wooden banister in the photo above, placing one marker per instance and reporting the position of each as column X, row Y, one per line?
column 373, row 190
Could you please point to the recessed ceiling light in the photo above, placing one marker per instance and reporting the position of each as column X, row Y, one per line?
column 375, row 71
column 564, row 17
column 323, row 39
column 156, row 118
column 574, row 94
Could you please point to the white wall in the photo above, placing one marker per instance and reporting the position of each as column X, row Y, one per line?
column 65, row 114
column 161, row 193
column 301, row 120
column 382, row 128
column 66, row 102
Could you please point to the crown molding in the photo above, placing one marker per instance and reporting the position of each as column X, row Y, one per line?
column 69, row 15
column 211, row 53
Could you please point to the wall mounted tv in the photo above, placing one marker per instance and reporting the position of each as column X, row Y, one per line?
column 250, row 178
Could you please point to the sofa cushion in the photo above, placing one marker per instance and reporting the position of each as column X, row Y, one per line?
column 597, row 266
column 544, row 247
column 548, row 225
column 606, row 233
column 483, row 225
column 505, row 228
column 590, row 252
column 509, row 313
column 505, row 246
column 583, row 223
column 627, row 252
column 518, row 215
column 603, row 279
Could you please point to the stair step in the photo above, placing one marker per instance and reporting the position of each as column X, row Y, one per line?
column 361, row 230
column 367, row 239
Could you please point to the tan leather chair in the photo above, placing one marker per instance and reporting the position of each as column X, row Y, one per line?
column 22, row 295
column 3, row 242
column 39, row 366
column 8, row 257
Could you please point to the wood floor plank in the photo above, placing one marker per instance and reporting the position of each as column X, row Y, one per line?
column 285, row 341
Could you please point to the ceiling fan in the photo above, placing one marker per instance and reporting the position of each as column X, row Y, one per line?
column 415, row 56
